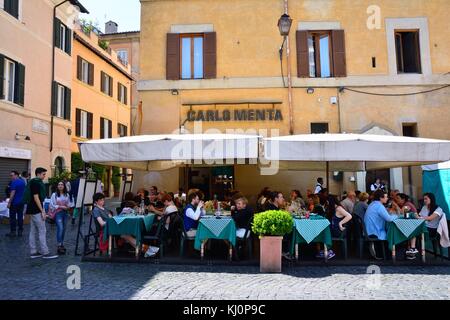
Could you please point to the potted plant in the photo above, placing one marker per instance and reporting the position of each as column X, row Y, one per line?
column 271, row 226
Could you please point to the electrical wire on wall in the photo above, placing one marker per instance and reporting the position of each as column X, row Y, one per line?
column 393, row 94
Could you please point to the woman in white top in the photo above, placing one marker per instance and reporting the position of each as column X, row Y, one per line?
column 169, row 209
column 431, row 213
column 60, row 203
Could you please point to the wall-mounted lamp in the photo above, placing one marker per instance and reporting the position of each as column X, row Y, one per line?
column 310, row 90
column 174, row 92
column 26, row 138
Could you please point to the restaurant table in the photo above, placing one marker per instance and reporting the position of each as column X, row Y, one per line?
column 402, row 229
column 134, row 225
column 211, row 227
column 314, row 229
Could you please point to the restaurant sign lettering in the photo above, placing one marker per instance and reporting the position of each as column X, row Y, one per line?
column 235, row 115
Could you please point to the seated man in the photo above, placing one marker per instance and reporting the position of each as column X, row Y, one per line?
column 376, row 217
column 192, row 213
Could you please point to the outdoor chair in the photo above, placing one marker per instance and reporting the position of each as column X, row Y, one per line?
column 367, row 239
column 245, row 241
column 184, row 237
column 343, row 240
column 159, row 236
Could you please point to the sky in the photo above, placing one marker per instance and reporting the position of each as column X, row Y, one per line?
column 126, row 13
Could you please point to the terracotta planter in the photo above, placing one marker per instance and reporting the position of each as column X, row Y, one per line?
column 270, row 254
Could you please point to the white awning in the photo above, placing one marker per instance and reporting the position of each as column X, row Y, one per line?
column 437, row 166
column 161, row 152
column 353, row 152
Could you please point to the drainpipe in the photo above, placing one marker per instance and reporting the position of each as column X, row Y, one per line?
column 53, row 72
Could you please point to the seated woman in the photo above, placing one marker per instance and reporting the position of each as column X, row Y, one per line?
column 318, row 208
column 242, row 216
column 101, row 215
column 432, row 214
column 297, row 202
column 192, row 213
column 129, row 196
column 169, row 209
column 338, row 221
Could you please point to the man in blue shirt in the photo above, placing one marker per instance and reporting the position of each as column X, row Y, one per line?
column 15, row 204
column 376, row 217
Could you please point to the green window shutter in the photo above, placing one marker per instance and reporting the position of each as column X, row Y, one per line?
column 119, row 96
column 102, row 128
column 79, row 67
column 78, row 122
column 111, row 86
column 67, row 103
column 102, row 81
column 57, row 33
column 54, row 98
column 2, row 75
column 68, row 47
column 90, row 117
column 109, row 129
column 126, row 95
column 91, row 74
column 20, row 84
column 12, row 7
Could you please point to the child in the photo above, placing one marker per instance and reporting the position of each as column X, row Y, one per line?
column 101, row 215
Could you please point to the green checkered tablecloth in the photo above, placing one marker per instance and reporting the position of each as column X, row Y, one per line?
column 315, row 229
column 401, row 230
column 213, row 228
column 128, row 224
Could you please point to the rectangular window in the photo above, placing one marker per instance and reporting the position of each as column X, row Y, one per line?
column 84, row 124
column 122, row 130
column 407, row 49
column 60, row 101
column 123, row 56
column 85, row 71
column 409, row 129
column 62, row 35
column 122, row 93
column 10, row 78
column 319, row 127
column 105, row 128
column 12, row 7
column 319, row 49
column 106, row 84
column 192, row 56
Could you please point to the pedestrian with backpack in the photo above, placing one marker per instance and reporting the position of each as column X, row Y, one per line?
column 34, row 197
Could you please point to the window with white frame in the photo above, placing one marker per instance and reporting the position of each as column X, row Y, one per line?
column 12, row 7
column 106, row 84
column 60, row 106
column 84, row 71
column 10, row 78
column 62, row 39
column 84, row 124
column 122, row 54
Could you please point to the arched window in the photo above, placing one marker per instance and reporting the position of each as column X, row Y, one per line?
column 59, row 165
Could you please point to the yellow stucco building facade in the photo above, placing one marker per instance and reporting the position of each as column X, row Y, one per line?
column 101, row 96
column 356, row 67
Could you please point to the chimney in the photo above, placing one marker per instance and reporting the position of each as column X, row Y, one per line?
column 111, row 27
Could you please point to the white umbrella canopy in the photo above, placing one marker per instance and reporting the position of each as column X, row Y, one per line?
column 353, row 152
column 162, row 152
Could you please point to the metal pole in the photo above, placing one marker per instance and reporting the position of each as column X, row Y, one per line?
column 288, row 58
column 328, row 176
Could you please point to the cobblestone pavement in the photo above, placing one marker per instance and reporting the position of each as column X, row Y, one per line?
column 23, row 278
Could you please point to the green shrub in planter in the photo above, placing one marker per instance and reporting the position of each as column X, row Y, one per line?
column 272, row 223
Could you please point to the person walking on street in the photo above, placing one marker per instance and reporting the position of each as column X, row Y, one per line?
column 15, row 204
column 34, row 197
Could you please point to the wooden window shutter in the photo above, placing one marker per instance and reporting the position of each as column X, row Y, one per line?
column 119, row 92
column 125, row 131
column 111, row 86
column 89, row 125
column 125, row 91
column 12, row 6
column 102, row 128
column 338, row 43
column 2, row 76
column 102, row 81
column 109, row 129
column 78, row 122
column 67, row 103
column 54, row 98
column 118, row 129
column 57, row 33
column 91, row 74
column 173, row 57
column 302, row 54
column 19, row 85
column 79, row 67
column 68, row 47
column 209, row 55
